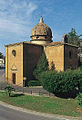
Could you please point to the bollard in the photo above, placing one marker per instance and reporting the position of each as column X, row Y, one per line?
column 39, row 92
column 49, row 94
column 31, row 91
column 23, row 89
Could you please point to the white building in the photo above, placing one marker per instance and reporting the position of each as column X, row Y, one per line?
column 1, row 62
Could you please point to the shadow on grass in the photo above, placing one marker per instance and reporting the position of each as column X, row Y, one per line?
column 70, row 94
column 17, row 95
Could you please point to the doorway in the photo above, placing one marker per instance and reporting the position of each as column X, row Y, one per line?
column 14, row 78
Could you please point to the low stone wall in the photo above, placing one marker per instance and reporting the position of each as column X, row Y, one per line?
column 28, row 90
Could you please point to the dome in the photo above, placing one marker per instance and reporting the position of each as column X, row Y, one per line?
column 41, row 32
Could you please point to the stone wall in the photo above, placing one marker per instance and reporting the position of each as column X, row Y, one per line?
column 55, row 56
column 31, row 57
column 62, row 56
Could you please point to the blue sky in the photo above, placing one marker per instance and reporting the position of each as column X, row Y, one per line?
column 18, row 17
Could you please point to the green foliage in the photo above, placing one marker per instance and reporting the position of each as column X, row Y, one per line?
column 79, row 98
column 80, row 67
column 8, row 90
column 41, row 66
column 34, row 83
column 1, row 55
column 61, row 82
column 73, row 38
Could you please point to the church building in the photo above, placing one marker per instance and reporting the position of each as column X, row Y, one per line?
column 22, row 57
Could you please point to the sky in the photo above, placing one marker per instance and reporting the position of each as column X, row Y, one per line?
column 18, row 17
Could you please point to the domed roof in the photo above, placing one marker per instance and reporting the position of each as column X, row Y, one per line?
column 41, row 29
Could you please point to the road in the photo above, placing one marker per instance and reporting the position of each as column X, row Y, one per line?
column 2, row 75
column 7, row 113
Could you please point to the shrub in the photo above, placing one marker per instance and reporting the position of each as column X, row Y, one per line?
column 34, row 83
column 81, row 67
column 61, row 83
column 79, row 98
column 9, row 89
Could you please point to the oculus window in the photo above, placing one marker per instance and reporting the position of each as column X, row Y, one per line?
column 14, row 53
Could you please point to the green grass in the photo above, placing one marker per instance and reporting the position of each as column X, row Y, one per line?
column 43, row 104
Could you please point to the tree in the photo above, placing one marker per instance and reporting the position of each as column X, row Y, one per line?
column 1, row 55
column 41, row 66
column 73, row 38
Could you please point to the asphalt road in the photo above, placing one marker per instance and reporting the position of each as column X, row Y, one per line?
column 2, row 75
column 7, row 113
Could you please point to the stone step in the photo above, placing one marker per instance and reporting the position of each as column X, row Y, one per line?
column 29, row 90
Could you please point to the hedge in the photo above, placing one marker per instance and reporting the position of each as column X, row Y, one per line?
column 79, row 98
column 34, row 83
column 61, row 82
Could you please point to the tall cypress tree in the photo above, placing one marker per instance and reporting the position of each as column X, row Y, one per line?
column 41, row 66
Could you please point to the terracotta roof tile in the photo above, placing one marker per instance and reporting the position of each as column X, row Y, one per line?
column 55, row 43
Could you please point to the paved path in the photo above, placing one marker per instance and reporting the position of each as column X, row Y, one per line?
column 9, row 112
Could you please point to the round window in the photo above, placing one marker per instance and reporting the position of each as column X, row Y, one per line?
column 14, row 52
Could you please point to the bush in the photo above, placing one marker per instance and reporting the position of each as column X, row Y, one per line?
column 34, row 83
column 9, row 89
column 62, row 83
column 81, row 67
column 79, row 98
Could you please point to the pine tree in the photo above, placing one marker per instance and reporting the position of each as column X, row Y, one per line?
column 73, row 38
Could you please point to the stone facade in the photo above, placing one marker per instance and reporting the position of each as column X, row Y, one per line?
column 23, row 63
column 62, row 56
column 70, row 56
column 14, row 64
column 55, row 56
column 31, row 56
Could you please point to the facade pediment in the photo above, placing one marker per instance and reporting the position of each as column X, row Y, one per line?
column 14, row 68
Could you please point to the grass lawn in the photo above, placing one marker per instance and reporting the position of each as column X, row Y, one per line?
column 43, row 104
